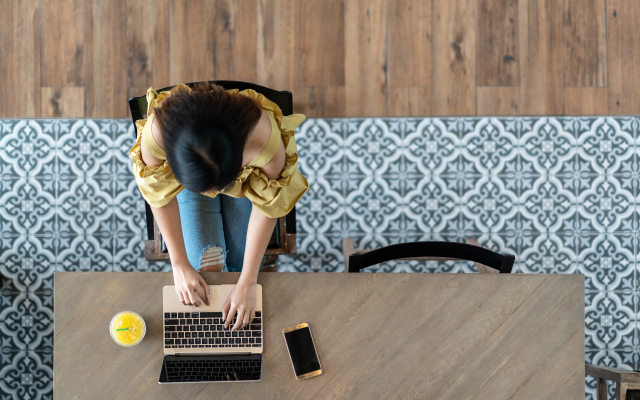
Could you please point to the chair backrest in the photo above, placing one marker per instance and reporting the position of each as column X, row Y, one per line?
column 284, row 100
column 461, row 251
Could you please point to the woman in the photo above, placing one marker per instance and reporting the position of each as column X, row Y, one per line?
column 203, row 141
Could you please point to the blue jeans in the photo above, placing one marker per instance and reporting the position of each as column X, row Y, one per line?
column 221, row 221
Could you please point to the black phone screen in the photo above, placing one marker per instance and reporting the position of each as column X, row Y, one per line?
column 302, row 352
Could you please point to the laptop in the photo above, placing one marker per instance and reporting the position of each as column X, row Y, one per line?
column 197, row 348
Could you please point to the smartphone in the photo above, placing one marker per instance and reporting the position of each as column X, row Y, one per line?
column 302, row 351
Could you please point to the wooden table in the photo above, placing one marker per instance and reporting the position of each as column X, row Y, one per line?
column 378, row 335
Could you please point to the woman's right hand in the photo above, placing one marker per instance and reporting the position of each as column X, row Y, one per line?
column 190, row 286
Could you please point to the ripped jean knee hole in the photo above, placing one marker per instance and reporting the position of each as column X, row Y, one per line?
column 212, row 255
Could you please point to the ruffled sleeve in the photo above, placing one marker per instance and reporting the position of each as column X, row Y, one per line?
column 158, row 185
column 274, row 197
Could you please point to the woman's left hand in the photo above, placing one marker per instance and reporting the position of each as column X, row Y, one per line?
column 242, row 300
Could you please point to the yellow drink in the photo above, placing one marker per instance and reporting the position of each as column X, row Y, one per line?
column 127, row 328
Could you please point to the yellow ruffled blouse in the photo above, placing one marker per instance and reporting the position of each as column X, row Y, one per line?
column 273, row 197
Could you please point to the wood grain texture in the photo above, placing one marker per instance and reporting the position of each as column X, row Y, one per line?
column 366, row 58
column 20, row 46
column 585, row 101
column 623, row 57
column 498, row 100
column 62, row 101
column 63, row 43
column 105, row 58
column 410, row 43
column 409, row 101
column 235, row 40
column 279, row 46
column 584, row 37
column 453, row 43
column 148, row 49
column 540, row 34
column 377, row 336
column 323, row 43
column 322, row 101
column 191, row 41
column 497, row 57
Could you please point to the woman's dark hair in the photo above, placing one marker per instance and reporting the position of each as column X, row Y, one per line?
column 204, row 133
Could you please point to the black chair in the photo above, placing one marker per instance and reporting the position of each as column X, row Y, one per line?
column 283, row 240
column 433, row 250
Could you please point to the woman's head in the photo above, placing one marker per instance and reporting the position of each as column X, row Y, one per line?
column 204, row 133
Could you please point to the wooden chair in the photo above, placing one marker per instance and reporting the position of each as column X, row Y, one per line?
column 627, row 382
column 487, row 261
column 283, row 240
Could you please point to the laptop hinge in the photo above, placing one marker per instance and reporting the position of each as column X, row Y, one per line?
column 208, row 354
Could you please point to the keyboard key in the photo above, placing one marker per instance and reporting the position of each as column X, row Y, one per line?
column 258, row 340
column 180, row 315
column 207, row 334
column 183, row 322
column 218, row 341
column 189, row 322
column 225, row 341
column 200, row 334
column 174, row 315
column 211, row 315
column 256, row 321
column 255, row 327
column 257, row 345
column 212, row 327
column 192, row 328
column 174, row 335
column 203, row 321
column 252, row 340
column 196, row 322
column 216, row 321
column 197, row 341
column 187, row 315
column 258, row 313
column 245, row 340
column 167, row 315
column 194, row 315
column 187, row 334
column 171, row 322
column 199, row 328
column 179, row 328
column 191, row 341
column 181, row 334
column 220, row 327
column 241, row 334
column 234, row 334
column 184, row 341
column 205, row 327
column 168, row 341
column 227, row 334
column 214, row 334
column 256, row 333
column 211, row 341
column 238, row 340
column 209, row 321
column 167, row 335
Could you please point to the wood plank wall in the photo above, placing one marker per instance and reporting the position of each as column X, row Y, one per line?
column 84, row 58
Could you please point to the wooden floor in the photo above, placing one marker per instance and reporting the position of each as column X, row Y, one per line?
column 84, row 58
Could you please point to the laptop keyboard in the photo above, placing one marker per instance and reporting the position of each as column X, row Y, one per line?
column 206, row 329
column 213, row 370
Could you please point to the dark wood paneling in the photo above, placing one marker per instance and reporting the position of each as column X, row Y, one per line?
column 540, row 31
column 454, row 76
column 66, row 101
column 497, row 57
column 279, row 46
column 191, row 41
column 235, row 39
column 20, row 58
column 105, row 27
column 62, row 43
column 623, row 57
column 321, row 101
column 498, row 100
column 585, row 101
column 584, row 36
column 323, row 43
column 148, row 43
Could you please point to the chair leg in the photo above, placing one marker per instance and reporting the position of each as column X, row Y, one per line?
column 601, row 389
column 271, row 264
column 347, row 250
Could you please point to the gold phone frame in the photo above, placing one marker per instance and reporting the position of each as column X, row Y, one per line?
column 294, row 328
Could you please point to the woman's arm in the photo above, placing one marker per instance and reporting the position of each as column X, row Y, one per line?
column 190, row 286
column 243, row 298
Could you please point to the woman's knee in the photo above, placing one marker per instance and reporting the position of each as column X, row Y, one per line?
column 212, row 259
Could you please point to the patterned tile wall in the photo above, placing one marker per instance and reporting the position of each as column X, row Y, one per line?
column 559, row 193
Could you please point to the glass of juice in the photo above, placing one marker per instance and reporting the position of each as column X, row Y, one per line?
column 127, row 328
